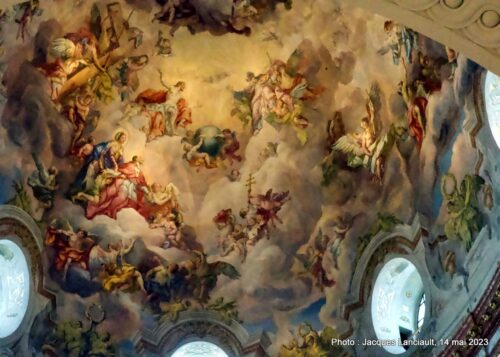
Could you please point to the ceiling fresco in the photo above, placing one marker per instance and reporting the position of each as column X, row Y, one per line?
column 227, row 156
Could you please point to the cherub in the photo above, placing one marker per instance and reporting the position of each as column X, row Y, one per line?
column 192, row 154
column 242, row 14
column 234, row 175
column 227, row 310
column 171, row 310
column 243, row 9
column 163, row 45
column 177, row 13
column 171, row 229
column 235, row 240
column 167, row 12
column 158, row 194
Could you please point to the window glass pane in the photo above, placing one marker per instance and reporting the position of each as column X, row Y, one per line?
column 421, row 312
column 14, row 287
column 492, row 100
column 198, row 349
column 398, row 304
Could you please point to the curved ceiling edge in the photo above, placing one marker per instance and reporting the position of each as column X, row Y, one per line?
column 479, row 40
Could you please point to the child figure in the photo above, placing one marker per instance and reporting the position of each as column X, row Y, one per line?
column 173, row 235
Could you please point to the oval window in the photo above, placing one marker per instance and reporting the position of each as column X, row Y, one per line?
column 199, row 349
column 492, row 101
column 398, row 304
column 14, row 287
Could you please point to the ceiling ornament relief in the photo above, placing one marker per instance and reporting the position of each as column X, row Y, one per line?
column 469, row 26
column 200, row 325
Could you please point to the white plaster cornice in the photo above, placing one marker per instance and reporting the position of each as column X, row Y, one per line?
column 471, row 27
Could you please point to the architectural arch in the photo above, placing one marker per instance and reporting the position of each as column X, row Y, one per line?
column 442, row 321
column 165, row 338
column 405, row 241
column 17, row 226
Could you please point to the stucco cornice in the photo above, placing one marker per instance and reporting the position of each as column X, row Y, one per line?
column 471, row 27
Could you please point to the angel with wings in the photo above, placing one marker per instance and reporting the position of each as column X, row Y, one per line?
column 368, row 147
column 415, row 98
column 122, row 277
column 311, row 262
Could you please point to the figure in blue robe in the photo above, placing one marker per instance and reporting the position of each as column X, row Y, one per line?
column 99, row 152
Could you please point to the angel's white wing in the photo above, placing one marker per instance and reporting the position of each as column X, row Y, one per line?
column 348, row 145
column 173, row 190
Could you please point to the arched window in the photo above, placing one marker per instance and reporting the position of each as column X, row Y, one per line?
column 14, row 287
column 398, row 304
column 492, row 101
column 199, row 349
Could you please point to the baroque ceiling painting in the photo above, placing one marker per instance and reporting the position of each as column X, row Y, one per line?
column 290, row 171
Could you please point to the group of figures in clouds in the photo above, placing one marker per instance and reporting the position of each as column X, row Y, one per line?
column 101, row 65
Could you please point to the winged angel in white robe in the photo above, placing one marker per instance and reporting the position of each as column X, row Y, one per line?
column 369, row 147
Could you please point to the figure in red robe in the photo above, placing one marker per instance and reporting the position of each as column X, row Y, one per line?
column 183, row 118
column 70, row 248
column 126, row 191
column 231, row 146
column 151, row 101
column 417, row 118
